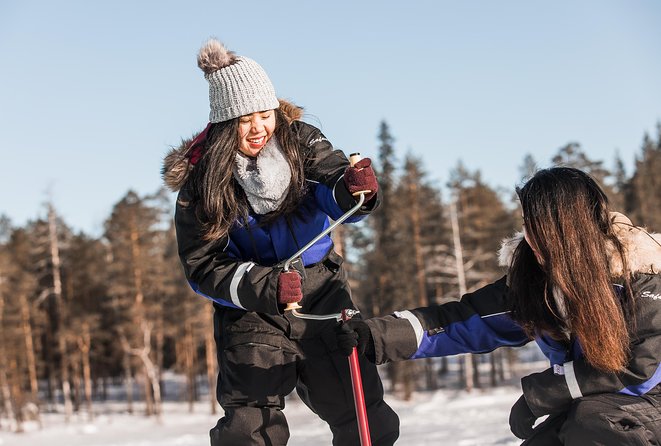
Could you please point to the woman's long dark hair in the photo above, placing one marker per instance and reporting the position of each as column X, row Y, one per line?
column 219, row 199
column 566, row 219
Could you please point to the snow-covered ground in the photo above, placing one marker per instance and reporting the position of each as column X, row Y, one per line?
column 444, row 417
column 447, row 417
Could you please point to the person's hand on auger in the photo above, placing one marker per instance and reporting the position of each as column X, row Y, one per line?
column 361, row 178
column 355, row 333
column 289, row 287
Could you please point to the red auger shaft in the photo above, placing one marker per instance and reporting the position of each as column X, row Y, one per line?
column 358, row 395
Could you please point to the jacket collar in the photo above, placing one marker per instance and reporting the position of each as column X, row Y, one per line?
column 642, row 249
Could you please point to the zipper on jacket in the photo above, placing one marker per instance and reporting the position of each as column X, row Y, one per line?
column 252, row 240
column 290, row 226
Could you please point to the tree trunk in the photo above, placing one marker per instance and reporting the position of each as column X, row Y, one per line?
column 84, row 345
column 443, row 370
column 17, row 398
column 339, row 240
column 4, row 382
column 137, row 271
column 6, row 392
column 476, row 371
column 189, row 365
column 461, row 279
column 59, row 305
column 126, row 361
column 160, row 347
column 64, row 373
column 49, row 365
column 151, row 369
column 376, row 303
column 76, row 380
column 421, row 279
column 493, row 374
column 149, row 396
column 511, row 359
column 29, row 346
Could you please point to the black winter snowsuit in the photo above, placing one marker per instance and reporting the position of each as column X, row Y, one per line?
column 263, row 353
column 587, row 406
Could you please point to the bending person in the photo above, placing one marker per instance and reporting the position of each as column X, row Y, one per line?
column 254, row 187
column 583, row 283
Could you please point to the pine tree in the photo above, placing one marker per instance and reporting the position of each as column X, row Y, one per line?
column 376, row 293
column 620, row 185
column 528, row 168
column 18, row 287
column 10, row 410
column 643, row 203
column 573, row 155
column 483, row 221
column 189, row 319
column 47, row 239
column 86, row 286
column 421, row 228
column 132, row 232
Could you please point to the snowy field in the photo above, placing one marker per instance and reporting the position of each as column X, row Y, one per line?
column 447, row 417
column 444, row 417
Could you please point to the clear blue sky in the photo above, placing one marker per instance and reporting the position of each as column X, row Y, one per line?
column 92, row 94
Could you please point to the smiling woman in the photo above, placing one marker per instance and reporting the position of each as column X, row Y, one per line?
column 254, row 187
column 255, row 131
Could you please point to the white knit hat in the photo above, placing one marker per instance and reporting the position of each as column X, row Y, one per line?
column 238, row 86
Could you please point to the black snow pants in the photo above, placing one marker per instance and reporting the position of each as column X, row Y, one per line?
column 603, row 420
column 263, row 358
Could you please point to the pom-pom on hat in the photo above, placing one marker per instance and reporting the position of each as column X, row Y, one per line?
column 237, row 85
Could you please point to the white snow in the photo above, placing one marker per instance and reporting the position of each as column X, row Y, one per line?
column 447, row 417
column 443, row 417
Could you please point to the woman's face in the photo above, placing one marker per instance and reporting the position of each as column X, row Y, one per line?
column 254, row 131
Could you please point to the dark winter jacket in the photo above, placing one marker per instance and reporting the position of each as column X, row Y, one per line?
column 240, row 270
column 481, row 322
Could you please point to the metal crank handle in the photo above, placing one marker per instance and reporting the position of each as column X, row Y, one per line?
column 361, row 200
column 354, row 158
column 343, row 316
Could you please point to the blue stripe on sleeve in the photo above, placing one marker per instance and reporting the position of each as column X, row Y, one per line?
column 474, row 335
column 222, row 302
column 645, row 387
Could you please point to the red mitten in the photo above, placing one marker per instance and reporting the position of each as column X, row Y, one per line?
column 360, row 177
column 289, row 287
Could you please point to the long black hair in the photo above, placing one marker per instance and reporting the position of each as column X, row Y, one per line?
column 219, row 199
column 562, row 283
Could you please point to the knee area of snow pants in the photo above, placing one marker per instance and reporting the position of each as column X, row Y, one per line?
column 603, row 420
column 613, row 419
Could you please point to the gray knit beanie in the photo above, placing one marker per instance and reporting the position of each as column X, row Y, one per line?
column 238, row 86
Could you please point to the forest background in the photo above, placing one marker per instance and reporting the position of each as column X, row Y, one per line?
column 93, row 304
column 80, row 314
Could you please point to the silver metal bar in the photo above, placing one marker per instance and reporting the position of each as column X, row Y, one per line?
column 349, row 313
column 317, row 317
column 326, row 231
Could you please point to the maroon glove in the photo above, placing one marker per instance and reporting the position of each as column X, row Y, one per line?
column 289, row 287
column 361, row 177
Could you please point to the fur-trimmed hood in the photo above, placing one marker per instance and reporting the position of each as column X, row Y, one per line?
column 177, row 163
column 642, row 249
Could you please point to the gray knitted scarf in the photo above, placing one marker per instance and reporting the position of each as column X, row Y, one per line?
column 264, row 179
